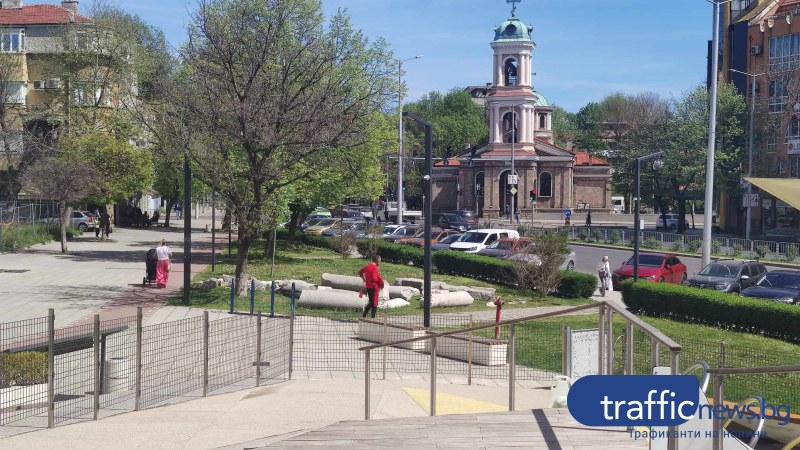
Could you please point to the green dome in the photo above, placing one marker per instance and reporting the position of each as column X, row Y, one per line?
column 540, row 99
column 513, row 29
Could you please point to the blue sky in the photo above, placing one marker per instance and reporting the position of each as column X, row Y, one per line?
column 585, row 50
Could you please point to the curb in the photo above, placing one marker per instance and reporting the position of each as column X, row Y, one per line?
column 685, row 255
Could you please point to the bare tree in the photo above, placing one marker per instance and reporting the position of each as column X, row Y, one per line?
column 536, row 266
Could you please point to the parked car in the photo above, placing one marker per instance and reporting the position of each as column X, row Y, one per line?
column 728, row 275
column 657, row 267
column 469, row 216
column 528, row 254
column 310, row 222
column 348, row 214
column 390, row 229
column 778, row 285
column 322, row 225
column 450, row 221
column 476, row 240
column 403, row 231
column 505, row 247
column 418, row 240
column 341, row 227
column 671, row 221
column 81, row 220
column 444, row 244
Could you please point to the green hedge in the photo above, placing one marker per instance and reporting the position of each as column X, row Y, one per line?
column 477, row 267
column 22, row 369
column 394, row 253
column 577, row 284
column 714, row 308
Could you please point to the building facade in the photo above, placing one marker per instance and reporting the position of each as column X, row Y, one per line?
column 520, row 144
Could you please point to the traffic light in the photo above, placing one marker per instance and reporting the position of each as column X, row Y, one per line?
column 532, row 195
column 404, row 186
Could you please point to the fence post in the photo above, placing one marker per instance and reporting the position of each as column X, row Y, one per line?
column 469, row 355
column 629, row 330
column 366, row 384
column 272, row 300
column 252, row 295
column 138, row 388
column 233, row 293
column 433, row 377
column 564, row 344
column 291, row 336
column 384, row 341
column 97, row 362
column 51, row 370
column 722, row 353
column 512, row 366
column 674, row 369
column 601, row 339
column 718, row 426
column 258, row 350
column 610, row 341
column 205, row 353
column 655, row 355
column 293, row 291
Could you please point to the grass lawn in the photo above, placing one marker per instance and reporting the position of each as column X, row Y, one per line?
column 302, row 262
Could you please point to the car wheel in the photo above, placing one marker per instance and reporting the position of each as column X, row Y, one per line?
column 661, row 280
column 83, row 227
column 571, row 265
column 683, row 279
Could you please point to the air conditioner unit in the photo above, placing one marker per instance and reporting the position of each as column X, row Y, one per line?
column 39, row 84
column 52, row 83
column 755, row 50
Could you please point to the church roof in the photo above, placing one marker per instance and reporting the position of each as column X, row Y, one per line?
column 512, row 30
column 585, row 159
column 541, row 100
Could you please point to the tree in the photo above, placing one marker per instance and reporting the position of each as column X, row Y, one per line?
column 456, row 120
column 270, row 95
column 63, row 178
column 590, row 129
column 564, row 127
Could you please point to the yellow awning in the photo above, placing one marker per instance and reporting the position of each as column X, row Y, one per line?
column 786, row 189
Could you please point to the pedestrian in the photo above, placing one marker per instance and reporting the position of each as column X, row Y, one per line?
column 516, row 215
column 164, row 264
column 508, row 213
column 589, row 219
column 97, row 223
column 604, row 272
column 178, row 211
column 373, row 282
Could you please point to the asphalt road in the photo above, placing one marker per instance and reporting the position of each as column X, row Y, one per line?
column 588, row 258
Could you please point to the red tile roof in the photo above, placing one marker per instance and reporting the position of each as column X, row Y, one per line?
column 452, row 162
column 40, row 15
column 584, row 159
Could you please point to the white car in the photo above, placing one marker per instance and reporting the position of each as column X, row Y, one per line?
column 671, row 221
column 474, row 241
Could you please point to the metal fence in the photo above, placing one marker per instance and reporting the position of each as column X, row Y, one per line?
column 19, row 220
column 49, row 376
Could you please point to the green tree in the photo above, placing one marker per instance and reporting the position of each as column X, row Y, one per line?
column 456, row 120
column 565, row 129
column 589, row 123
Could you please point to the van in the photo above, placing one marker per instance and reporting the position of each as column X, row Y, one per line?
column 474, row 241
column 617, row 204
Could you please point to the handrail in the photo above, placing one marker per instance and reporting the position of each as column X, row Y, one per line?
column 432, row 335
column 646, row 327
column 752, row 370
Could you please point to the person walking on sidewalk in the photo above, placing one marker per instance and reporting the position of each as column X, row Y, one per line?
column 164, row 255
column 374, row 283
column 589, row 219
column 604, row 272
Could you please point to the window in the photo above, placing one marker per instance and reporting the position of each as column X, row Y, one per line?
column 794, row 166
column 12, row 41
column 545, row 185
column 784, row 52
column 14, row 92
column 772, row 141
column 510, row 132
column 793, row 129
column 778, row 94
column 510, row 71
column 542, row 121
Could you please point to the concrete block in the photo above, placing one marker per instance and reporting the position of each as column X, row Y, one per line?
column 331, row 298
column 403, row 292
column 440, row 298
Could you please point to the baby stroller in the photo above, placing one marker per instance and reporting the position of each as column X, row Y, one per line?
column 150, row 262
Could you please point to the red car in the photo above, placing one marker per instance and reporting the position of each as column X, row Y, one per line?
column 657, row 267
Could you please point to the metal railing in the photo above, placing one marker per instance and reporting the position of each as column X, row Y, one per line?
column 605, row 349
column 719, row 374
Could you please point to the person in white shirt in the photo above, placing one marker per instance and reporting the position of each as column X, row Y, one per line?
column 604, row 272
column 164, row 255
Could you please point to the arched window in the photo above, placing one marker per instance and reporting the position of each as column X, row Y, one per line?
column 542, row 121
column 545, row 185
column 510, row 127
column 510, row 72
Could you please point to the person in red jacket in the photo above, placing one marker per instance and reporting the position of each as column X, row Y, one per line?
column 374, row 283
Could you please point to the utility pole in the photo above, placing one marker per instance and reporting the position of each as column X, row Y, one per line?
column 712, row 138
column 400, row 193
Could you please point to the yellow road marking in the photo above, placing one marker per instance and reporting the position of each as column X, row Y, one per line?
column 452, row 404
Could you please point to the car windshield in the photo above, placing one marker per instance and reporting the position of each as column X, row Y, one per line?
column 450, row 239
column 473, row 237
column 326, row 222
column 720, row 270
column 647, row 260
column 408, row 231
column 501, row 245
column 781, row 280
column 313, row 222
column 389, row 230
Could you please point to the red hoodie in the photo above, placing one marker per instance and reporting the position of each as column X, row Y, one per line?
column 371, row 276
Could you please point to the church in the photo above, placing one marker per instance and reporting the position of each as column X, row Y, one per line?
column 520, row 160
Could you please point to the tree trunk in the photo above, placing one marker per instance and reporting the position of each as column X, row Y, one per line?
column 294, row 223
column 170, row 205
column 243, row 250
column 268, row 235
column 63, row 217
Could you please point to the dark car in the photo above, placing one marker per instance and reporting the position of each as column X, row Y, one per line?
column 469, row 216
column 728, row 275
column 657, row 267
column 450, row 221
column 404, row 231
column 444, row 244
column 779, row 285
column 504, row 247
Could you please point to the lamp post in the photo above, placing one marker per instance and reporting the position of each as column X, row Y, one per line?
column 400, row 137
column 637, row 226
column 747, row 226
column 513, row 184
column 187, row 228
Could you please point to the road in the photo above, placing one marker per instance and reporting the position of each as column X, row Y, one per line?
column 587, row 259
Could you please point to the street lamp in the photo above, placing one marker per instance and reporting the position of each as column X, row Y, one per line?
column 400, row 136
column 514, row 180
column 637, row 226
column 753, row 76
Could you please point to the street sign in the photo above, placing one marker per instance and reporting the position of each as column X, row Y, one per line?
column 513, row 180
column 446, row 162
column 513, row 191
column 567, row 212
column 750, row 200
column 470, row 163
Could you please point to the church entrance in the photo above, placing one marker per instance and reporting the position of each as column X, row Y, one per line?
column 505, row 194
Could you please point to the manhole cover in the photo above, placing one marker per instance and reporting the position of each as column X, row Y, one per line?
column 14, row 270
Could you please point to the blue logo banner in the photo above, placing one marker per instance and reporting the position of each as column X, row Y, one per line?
column 634, row 400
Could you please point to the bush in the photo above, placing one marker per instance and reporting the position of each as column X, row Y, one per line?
column 615, row 237
column 791, row 253
column 713, row 308
column 72, row 232
column 343, row 244
column 715, row 246
column 737, row 249
column 596, row 235
column 577, row 284
column 762, row 251
column 17, row 237
column 582, row 234
column 651, row 242
column 393, row 253
column 694, row 245
column 22, row 369
column 678, row 245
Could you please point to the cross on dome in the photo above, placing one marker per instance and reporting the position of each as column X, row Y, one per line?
column 513, row 6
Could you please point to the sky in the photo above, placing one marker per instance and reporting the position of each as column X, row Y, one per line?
column 585, row 49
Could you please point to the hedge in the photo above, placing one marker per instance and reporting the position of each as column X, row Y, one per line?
column 22, row 369
column 713, row 308
column 394, row 253
column 477, row 267
column 577, row 284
